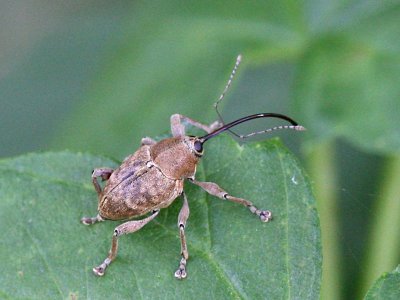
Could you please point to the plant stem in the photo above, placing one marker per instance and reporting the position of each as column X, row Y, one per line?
column 321, row 163
column 383, row 249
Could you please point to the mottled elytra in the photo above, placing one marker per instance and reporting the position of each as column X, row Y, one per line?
column 152, row 178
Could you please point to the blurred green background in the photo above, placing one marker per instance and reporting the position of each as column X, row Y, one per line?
column 99, row 75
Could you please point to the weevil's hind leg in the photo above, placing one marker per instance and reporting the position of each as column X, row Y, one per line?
column 215, row 190
column 105, row 174
column 178, row 128
column 182, row 218
column 125, row 228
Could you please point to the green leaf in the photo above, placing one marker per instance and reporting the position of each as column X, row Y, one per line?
column 48, row 254
column 347, row 81
column 387, row 287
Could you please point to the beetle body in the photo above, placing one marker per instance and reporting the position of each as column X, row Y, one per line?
column 149, row 179
column 153, row 177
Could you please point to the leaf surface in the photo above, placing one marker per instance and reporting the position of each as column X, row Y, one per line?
column 232, row 254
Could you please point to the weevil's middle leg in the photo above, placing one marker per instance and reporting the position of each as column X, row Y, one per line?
column 125, row 228
column 182, row 218
column 215, row 190
column 105, row 174
column 178, row 128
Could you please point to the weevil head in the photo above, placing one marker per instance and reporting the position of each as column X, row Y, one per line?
column 195, row 144
column 177, row 157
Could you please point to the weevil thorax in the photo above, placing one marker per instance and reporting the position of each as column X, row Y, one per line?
column 177, row 157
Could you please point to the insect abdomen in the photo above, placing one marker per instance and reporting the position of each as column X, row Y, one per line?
column 139, row 193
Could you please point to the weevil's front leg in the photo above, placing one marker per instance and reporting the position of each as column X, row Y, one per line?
column 182, row 218
column 125, row 228
column 91, row 220
column 215, row 190
column 105, row 174
column 178, row 128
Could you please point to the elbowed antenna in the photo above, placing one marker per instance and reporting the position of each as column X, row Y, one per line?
column 227, row 86
column 294, row 126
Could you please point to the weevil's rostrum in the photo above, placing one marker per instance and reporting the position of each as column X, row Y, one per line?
column 152, row 178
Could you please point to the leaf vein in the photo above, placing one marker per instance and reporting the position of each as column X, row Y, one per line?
column 137, row 285
column 42, row 256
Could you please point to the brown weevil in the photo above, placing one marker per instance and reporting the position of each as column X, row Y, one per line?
column 152, row 178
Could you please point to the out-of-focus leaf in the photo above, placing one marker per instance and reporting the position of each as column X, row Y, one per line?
column 347, row 83
column 233, row 255
column 176, row 61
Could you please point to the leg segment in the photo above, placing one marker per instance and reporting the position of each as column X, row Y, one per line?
column 125, row 228
column 215, row 190
column 148, row 141
column 105, row 174
column 178, row 128
column 182, row 218
column 90, row 221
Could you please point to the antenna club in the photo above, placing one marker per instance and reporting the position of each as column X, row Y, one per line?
column 239, row 58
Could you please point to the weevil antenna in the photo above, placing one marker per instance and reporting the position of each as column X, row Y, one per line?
column 227, row 86
column 294, row 125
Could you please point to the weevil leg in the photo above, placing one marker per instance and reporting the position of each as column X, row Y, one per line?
column 105, row 174
column 215, row 190
column 148, row 141
column 182, row 218
column 178, row 128
column 90, row 221
column 125, row 228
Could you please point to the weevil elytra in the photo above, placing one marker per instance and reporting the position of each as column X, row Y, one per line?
column 152, row 178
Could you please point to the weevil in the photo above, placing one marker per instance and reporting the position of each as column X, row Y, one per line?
column 152, row 178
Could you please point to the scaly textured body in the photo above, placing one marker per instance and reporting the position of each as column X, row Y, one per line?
column 137, row 187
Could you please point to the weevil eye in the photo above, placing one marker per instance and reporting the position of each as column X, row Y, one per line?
column 198, row 146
